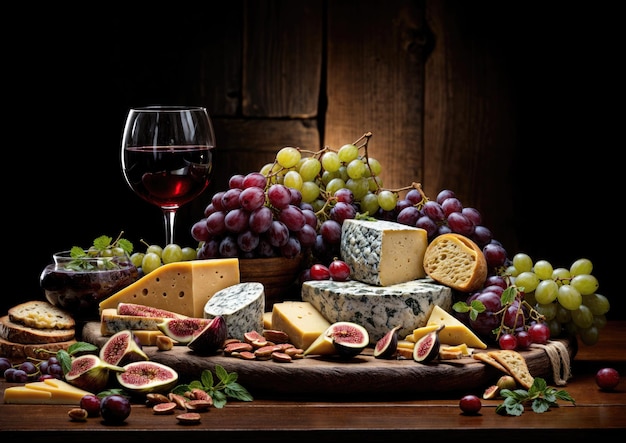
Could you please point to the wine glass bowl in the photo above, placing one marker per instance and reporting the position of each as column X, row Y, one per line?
column 167, row 157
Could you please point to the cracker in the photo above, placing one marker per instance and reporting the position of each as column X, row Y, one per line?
column 486, row 358
column 515, row 363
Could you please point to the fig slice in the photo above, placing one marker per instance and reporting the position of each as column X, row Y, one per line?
column 427, row 348
column 121, row 348
column 183, row 330
column 90, row 373
column 345, row 339
column 143, row 377
column 387, row 346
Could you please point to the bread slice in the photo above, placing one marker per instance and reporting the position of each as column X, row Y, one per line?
column 41, row 315
column 20, row 351
column 456, row 261
column 18, row 333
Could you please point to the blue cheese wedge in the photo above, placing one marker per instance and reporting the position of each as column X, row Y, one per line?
column 378, row 309
column 241, row 305
column 383, row 253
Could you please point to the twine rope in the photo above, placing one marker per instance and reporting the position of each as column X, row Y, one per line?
column 559, row 359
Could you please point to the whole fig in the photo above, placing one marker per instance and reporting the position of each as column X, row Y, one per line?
column 210, row 338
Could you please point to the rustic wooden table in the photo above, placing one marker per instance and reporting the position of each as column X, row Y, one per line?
column 597, row 414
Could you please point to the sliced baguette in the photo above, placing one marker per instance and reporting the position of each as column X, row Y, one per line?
column 456, row 261
column 20, row 334
column 41, row 315
column 20, row 351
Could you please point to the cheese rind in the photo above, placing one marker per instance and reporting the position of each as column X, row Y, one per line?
column 301, row 321
column 383, row 253
column 241, row 305
column 181, row 287
column 455, row 332
column 377, row 309
column 111, row 322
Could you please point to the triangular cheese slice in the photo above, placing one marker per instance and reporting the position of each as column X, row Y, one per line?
column 455, row 332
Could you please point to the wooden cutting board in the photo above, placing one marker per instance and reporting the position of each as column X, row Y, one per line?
column 363, row 374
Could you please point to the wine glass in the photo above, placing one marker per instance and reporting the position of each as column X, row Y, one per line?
column 167, row 157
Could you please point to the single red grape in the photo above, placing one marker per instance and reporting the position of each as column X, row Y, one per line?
column 539, row 333
column 470, row 404
column 320, row 272
column 508, row 342
column 607, row 379
column 339, row 270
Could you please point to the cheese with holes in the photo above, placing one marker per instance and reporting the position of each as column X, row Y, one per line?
column 181, row 287
column 455, row 332
column 300, row 320
column 383, row 253
column 377, row 309
column 48, row 391
column 241, row 305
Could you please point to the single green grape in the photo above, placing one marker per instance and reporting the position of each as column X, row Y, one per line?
column 334, row 185
column 528, row 280
column 330, row 161
column 585, row 284
column 546, row 291
column 358, row 186
column 522, row 262
column 563, row 315
column 582, row 317
column 189, row 253
column 288, row 157
column 266, row 169
column 512, row 271
column 548, row 310
column 293, row 180
column 543, row 269
column 369, row 203
column 310, row 191
column 347, row 153
column 581, row 266
column 589, row 336
column 387, row 200
column 309, row 169
column 599, row 321
column 172, row 253
column 156, row 249
column 597, row 303
column 375, row 183
column 327, row 176
column 569, row 297
column 343, row 173
column 555, row 327
column 136, row 258
column 374, row 166
column 356, row 169
column 150, row 262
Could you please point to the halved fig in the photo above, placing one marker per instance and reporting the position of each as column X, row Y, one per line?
column 427, row 348
column 145, row 311
column 144, row 377
column 122, row 348
column 90, row 373
column 183, row 330
column 345, row 339
column 387, row 346
column 210, row 338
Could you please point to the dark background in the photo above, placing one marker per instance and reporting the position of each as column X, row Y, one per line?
column 69, row 82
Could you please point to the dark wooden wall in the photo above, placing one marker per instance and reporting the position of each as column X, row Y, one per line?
column 510, row 104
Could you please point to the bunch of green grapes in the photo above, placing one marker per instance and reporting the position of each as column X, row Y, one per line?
column 156, row 256
column 566, row 297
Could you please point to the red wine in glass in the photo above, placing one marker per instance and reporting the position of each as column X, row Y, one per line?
column 166, row 156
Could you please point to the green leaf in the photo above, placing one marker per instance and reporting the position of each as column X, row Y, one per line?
column 125, row 245
column 540, row 405
column 509, row 295
column 207, row 379
column 236, row 391
column 64, row 360
column 461, row 307
column 564, row 395
column 221, row 373
column 103, row 242
column 81, row 347
column 77, row 252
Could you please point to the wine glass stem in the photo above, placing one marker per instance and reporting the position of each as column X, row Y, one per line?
column 169, row 215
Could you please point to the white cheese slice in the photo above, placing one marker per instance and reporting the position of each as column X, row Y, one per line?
column 377, row 309
column 383, row 253
column 241, row 305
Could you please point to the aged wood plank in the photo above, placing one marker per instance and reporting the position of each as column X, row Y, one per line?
column 282, row 58
column 469, row 123
column 363, row 374
column 375, row 83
